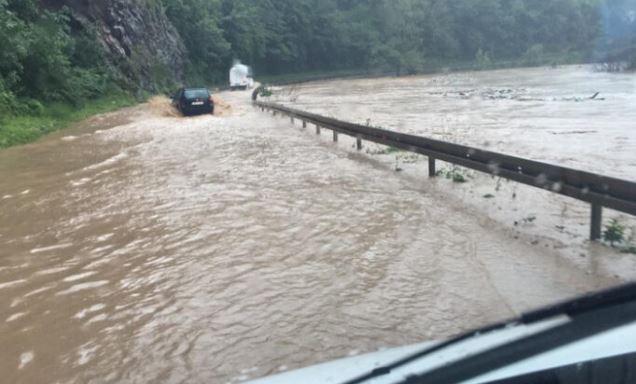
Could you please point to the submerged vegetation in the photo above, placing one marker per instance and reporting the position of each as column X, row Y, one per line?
column 615, row 234
column 265, row 91
column 456, row 174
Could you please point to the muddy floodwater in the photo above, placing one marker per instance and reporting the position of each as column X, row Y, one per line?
column 143, row 247
column 572, row 116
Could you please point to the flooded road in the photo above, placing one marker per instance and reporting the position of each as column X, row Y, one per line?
column 141, row 247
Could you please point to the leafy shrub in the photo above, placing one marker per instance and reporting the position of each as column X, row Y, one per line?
column 32, row 107
column 264, row 91
column 614, row 232
column 41, row 60
column 458, row 178
column 7, row 100
column 453, row 174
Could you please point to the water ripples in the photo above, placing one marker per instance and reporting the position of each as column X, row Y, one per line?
column 216, row 249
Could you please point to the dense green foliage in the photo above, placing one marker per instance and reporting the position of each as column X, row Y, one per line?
column 40, row 60
column 49, row 76
column 398, row 36
column 198, row 22
column 618, row 40
column 46, row 59
column 614, row 232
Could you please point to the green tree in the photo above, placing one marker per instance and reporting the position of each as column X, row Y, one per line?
column 198, row 23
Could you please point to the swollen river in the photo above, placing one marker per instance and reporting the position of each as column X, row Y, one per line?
column 141, row 247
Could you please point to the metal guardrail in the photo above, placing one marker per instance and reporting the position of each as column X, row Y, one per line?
column 598, row 190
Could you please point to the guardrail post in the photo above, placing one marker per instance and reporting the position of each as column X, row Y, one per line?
column 431, row 167
column 597, row 220
column 335, row 136
column 317, row 129
column 292, row 120
column 274, row 113
column 359, row 143
column 304, row 124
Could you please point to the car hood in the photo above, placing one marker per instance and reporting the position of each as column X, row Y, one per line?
column 616, row 342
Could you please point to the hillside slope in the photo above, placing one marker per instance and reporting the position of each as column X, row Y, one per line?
column 140, row 43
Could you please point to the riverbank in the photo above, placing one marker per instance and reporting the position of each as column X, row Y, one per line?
column 433, row 66
column 23, row 129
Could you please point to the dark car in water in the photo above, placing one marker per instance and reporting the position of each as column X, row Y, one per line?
column 193, row 101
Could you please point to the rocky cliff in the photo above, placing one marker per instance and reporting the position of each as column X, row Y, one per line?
column 140, row 44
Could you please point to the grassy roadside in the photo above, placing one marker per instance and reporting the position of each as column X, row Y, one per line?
column 22, row 129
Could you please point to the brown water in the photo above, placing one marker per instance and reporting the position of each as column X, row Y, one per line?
column 140, row 247
column 539, row 113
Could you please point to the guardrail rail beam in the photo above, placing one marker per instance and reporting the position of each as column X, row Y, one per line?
column 598, row 190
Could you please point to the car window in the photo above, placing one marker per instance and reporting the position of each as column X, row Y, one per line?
column 196, row 94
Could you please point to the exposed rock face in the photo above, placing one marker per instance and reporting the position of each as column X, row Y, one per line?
column 140, row 43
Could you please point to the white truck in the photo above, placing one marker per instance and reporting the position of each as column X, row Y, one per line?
column 241, row 77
